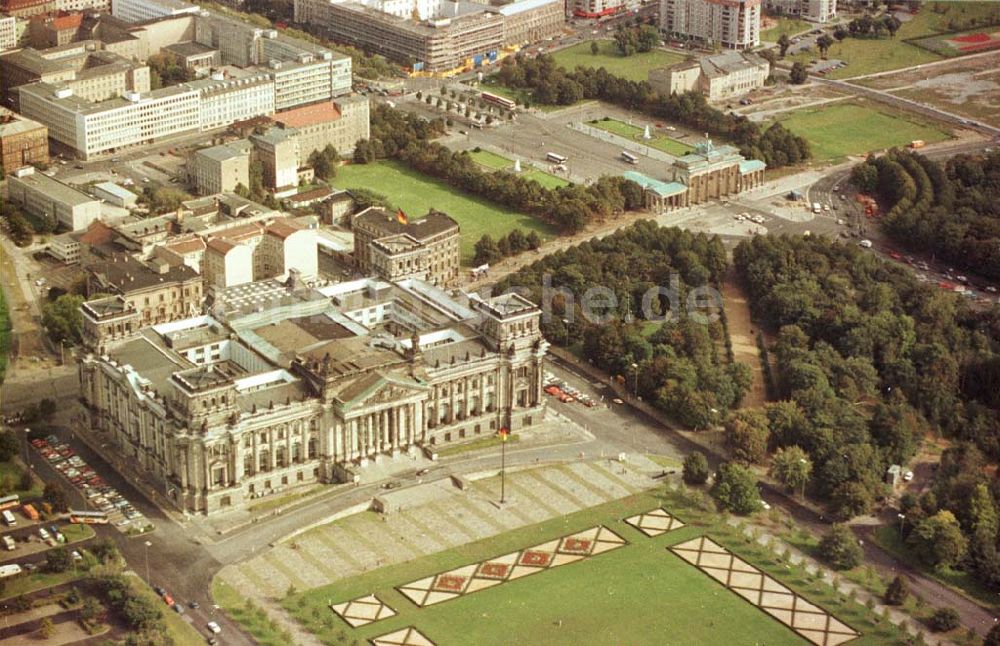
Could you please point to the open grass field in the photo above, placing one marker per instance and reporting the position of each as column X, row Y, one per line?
column 789, row 26
column 637, row 594
column 14, row 469
column 843, row 129
column 867, row 56
column 660, row 142
column 635, row 67
column 498, row 162
column 416, row 194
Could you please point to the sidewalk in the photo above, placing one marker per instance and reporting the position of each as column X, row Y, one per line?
column 812, row 566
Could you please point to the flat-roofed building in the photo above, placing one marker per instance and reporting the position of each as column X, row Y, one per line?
column 46, row 197
column 114, row 194
column 437, row 233
column 223, row 101
column 813, row 10
column 65, row 248
column 220, row 169
column 529, row 21
column 141, row 10
column 730, row 24
column 278, row 151
column 283, row 386
column 22, row 141
column 8, row 33
column 339, row 123
column 194, row 56
column 90, row 129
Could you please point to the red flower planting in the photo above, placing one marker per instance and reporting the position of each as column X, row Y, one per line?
column 576, row 545
column 972, row 38
column 538, row 559
column 450, row 583
column 494, row 570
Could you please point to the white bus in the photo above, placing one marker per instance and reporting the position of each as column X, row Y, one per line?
column 88, row 517
column 8, row 518
column 555, row 158
column 629, row 157
column 9, row 502
column 9, row 570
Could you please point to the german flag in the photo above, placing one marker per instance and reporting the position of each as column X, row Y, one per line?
column 401, row 217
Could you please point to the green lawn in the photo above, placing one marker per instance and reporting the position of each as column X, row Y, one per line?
column 660, row 142
column 637, row 594
column 74, row 532
column 835, row 131
column 14, row 469
column 477, row 445
column 867, row 56
column 789, row 26
column 253, row 619
column 635, row 67
column 516, row 94
column 416, row 193
column 494, row 161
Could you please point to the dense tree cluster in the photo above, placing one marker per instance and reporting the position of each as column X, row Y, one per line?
column 406, row 137
column 489, row 250
column 951, row 210
column 62, row 319
column 630, row 39
column 324, row 162
column 552, row 84
column 866, row 357
column 165, row 70
column 736, row 489
column 867, row 26
column 680, row 364
column 141, row 613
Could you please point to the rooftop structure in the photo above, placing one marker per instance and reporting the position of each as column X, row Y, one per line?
column 46, row 197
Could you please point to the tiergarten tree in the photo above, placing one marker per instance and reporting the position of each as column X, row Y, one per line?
column 736, row 489
column 792, row 467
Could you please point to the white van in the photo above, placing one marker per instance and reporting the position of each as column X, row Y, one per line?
column 8, row 518
column 8, row 543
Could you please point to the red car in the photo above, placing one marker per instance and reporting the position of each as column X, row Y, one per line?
column 895, row 256
column 168, row 599
column 553, row 390
column 39, row 443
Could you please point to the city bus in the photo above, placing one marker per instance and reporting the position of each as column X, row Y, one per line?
column 498, row 100
column 629, row 157
column 9, row 502
column 555, row 158
column 88, row 517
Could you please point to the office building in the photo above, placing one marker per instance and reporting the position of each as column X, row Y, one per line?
column 730, row 24
column 142, row 10
column 435, row 35
column 65, row 249
column 22, row 141
column 283, row 385
column 26, row 8
column 278, row 151
column 46, row 197
column 223, row 101
column 720, row 77
column 339, row 123
column 220, row 169
column 436, row 238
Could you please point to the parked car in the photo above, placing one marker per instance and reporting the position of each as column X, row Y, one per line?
column 214, row 627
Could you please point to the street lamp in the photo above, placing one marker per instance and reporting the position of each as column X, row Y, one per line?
column 902, row 521
column 504, row 432
column 27, row 451
column 148, row 545
column 635, row 382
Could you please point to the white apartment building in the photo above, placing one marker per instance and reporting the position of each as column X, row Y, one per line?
column 140, row 10
column 84, row 5
column 96, row 128
column 8, row 33
column 731, row 24
column 223, row 101
column 812, row 10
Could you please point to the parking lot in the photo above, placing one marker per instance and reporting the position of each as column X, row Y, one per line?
column 99, row 495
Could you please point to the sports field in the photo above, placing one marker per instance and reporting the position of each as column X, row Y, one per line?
column 660, row 142
column 635, row 67
column 498, row 162
column 836, row 131
column 416, row 194
column 868, row 55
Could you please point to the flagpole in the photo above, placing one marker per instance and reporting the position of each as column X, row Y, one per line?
column 503, row 468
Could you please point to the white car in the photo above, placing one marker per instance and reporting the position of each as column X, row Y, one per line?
column 908, row 476
column 765, row 506
column 214, row 627
column 866, row 244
